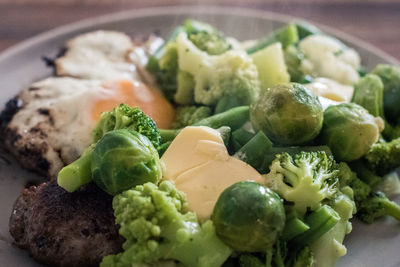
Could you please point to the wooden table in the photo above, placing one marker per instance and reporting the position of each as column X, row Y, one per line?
column 375, row 21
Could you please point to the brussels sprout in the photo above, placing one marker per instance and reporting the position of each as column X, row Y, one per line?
column 123, row 159
column 248, row 217
column 288, row 114
column 390, row 76
column 349, row 130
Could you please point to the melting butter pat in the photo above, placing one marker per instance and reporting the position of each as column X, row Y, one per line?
column 198, row 162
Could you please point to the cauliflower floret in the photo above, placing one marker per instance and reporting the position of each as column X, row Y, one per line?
column 231, row 73
column 328, row 57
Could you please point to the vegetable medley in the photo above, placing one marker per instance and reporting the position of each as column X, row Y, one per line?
column 277, row 143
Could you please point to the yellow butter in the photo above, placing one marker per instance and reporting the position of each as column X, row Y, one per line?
column 198, row 162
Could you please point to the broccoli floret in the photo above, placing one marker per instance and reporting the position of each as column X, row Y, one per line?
column 305, row 258
column 125, row 117
column 153, row 221
column 281, row 256
column 306, row 180
column 376, row 206
column 347, row 177
column 188, row 115
column 384, row 157
column 249, row 260
column 391, row 132
column 231, row 73
column 79, row 172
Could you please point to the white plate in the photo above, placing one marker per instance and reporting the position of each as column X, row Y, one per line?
column 374, row 245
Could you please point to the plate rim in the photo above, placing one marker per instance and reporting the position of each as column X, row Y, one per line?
column 181, row 10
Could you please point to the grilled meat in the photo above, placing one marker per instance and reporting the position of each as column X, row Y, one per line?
column 65, row 229
column 48, row 125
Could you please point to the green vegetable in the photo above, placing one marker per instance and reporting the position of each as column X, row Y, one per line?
column 176, row 84
column 305, row 29
column 214, row 43
column 249, row 217
column 391, row 132
column 248, row 260
column 361, row 190
column 161, row 149
column 122, row 159
column 320, row 222
column 288, row 114
column 233, row 118
column 78, row 173
column 368, row 93
column 188, row 115
column 184, row 89
column 294, row 225
column 226, row 103
column 365, row 174
column 286, row 35
column 293, row 57
column 390, row 76
column 281, row 256
column 270, row 63
column 292, row 151
column 383, row 158
column 349, row 130
column 153, row 63
column 167, row 71
column 254, row 150
column 306, row 179
column 329, row 248
column 231, row 73
column 156, row 227
column 376, row 206
column 206, row 38
column 125, row 117
column 240, row 137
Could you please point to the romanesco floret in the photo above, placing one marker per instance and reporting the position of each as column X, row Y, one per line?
column 156, row 227
column 231, row 73
column 125, row 117
column 188, row 115
column 306, row 180
column 384, row 157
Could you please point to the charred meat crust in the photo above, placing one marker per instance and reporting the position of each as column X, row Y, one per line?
column 10, row 109
column 65, row 229
column 30, row 154
column 29, row 150
column 51, row 61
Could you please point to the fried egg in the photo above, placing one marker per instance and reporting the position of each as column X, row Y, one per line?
column 58, row 115
column 54, row 123
column 98, row 55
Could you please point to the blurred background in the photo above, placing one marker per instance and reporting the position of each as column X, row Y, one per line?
column 375, row 21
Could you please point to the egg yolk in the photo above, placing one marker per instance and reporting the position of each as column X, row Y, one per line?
column 134, row 93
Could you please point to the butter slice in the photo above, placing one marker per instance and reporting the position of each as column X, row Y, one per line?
column 198, row 163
